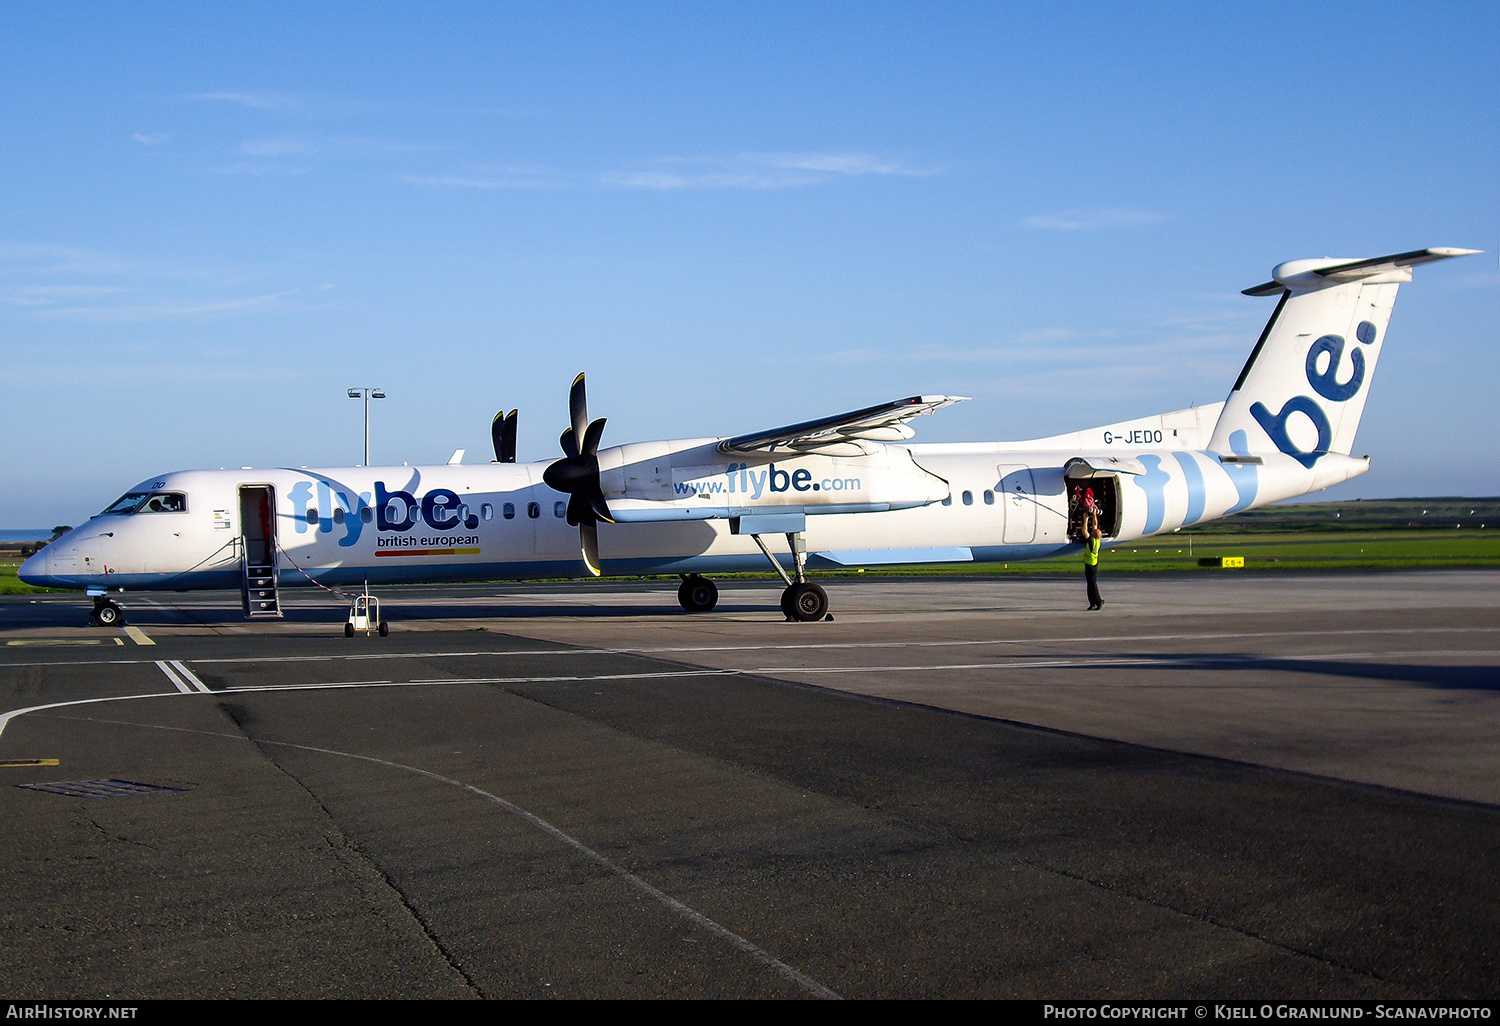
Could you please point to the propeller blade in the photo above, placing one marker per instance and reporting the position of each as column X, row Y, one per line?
column 577, row 475
column 579, row 510
column 591, row 437
column 588, row 537
column 503, row 434
column 578, row 408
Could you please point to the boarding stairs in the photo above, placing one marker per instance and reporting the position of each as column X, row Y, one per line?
column 259, row 590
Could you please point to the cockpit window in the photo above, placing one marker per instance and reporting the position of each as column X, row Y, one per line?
column 128, row 503
column 165, row 502
column 149, row 502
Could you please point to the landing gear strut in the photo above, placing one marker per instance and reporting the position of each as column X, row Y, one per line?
column 802, row 600
column 107, row 613
column 697, row 594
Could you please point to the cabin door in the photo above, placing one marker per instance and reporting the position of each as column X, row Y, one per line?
column 1017, row 493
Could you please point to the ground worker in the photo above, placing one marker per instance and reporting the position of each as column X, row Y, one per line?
column 1092, row 540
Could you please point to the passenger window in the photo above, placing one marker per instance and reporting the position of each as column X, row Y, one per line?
column 559, row 509
column 367, row 514
column 486, row 511
column 312, row 516
column 948, row 501
column 338, row 515
column 509, row 511
column 989, row 497
column 533, row 510
column 968, row 498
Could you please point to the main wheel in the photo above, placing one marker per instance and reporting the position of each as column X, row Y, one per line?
column 108, row 615
column 805, row 602
column 697, row 594
column 348, row 630
column 385, row 628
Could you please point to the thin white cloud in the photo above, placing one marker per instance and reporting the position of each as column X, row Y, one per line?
column 149, row 138
column 757, row 171
column 748, row 171
column 663, row 180
column 256, row 100
column 1094, row 219
column 165, row 311
column 247, row 168
column 51, row 295
column 42, row 282
column 520, row 181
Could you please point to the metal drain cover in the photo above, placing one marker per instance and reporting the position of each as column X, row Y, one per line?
column 100, row 788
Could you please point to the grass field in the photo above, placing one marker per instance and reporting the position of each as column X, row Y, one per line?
column 1386, row 534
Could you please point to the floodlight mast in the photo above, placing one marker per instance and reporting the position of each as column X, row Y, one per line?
column 367, row 394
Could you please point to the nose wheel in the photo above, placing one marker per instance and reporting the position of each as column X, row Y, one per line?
column 107, row 613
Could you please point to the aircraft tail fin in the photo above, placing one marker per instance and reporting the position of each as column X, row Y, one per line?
column 1303, row 389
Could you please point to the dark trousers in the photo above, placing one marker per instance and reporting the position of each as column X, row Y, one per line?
column 1091, row 575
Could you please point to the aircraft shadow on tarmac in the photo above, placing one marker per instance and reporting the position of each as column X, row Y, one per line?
column 1456, row 678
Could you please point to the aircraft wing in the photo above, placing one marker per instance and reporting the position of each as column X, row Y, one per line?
column 883, row 423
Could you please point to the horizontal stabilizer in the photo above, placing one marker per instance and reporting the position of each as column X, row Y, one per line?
column 1315, row 273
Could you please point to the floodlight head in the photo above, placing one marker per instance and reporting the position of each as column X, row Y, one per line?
column 377, row 394
column 353, row 393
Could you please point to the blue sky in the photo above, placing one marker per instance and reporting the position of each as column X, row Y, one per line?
column 214, row 219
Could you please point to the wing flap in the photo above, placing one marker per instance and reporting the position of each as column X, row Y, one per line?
column 884, row 423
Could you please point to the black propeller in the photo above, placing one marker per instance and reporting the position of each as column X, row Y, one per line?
column 577, row 475
column 503, row 434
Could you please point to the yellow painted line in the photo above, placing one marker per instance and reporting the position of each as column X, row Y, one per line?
column 20, row 763
column 50, row 642
column 138, row 636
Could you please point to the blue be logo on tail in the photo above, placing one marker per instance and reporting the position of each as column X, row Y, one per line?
column 1326, row 384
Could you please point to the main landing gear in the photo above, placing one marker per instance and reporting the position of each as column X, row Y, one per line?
column 697, row 594
column 801, row 600
column 107, row 612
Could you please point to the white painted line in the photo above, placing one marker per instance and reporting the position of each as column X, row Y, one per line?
column 177, row 682
column 190, row 676
column 138, row 636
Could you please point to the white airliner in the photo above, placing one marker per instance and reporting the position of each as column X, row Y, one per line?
column 843, row 491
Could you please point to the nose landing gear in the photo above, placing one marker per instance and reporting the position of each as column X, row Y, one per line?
column 107, row 612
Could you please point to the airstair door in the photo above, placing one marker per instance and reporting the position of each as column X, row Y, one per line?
column 1018, row 493
column 258, row 542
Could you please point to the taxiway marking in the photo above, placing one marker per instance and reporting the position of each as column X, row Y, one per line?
column 756, row 952
column 184, row 679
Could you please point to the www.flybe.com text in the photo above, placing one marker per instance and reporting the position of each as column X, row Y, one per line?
column 739, row 479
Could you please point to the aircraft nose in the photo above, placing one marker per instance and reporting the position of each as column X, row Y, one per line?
column 38, row 569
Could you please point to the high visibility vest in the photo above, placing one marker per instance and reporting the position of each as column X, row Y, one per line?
column 1091, row 552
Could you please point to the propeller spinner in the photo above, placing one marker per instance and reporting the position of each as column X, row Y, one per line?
column 577, row 475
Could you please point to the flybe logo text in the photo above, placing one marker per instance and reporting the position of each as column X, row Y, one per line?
column 1322, row 369
column 440, row 509
column 739, row 479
